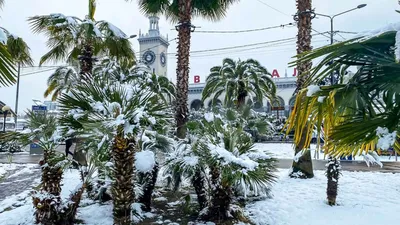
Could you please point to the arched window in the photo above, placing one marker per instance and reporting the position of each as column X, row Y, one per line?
column 196, row 105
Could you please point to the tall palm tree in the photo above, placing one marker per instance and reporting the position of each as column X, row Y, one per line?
column 239, row 79
column 303, row 166
column 71, row 38
column 19, row 51
column 182, row 11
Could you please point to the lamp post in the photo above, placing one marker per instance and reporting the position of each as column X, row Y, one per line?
column 5, row 110
column 333, row 17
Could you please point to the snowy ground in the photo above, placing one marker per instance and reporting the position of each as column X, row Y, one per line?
column 16, row 169
column 285, row 151
column 364, row 198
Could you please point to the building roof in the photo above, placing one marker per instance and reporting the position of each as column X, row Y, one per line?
column 1, row 112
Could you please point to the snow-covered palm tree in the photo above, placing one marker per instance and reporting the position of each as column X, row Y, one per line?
column 71, row 38
column 220, row 151
column 120, row 111
column 237, row 80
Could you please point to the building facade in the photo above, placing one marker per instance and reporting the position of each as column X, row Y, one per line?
column 281, row 108
column 153, row 48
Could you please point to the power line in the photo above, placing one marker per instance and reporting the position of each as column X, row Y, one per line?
column 266, row 4
column 243, row 31
column 36, row 72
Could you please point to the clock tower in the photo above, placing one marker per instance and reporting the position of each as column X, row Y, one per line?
column 153, row 48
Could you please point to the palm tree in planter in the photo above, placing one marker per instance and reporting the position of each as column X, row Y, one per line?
column 182, row 11
column 238, row 80
column 332, row 173
column 71, row 38
column 122, row 111
column 228, row 159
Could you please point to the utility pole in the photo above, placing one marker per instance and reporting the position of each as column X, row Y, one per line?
column 17, row 95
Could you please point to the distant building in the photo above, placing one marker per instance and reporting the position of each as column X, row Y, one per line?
column 153, row 53
column 281, row 108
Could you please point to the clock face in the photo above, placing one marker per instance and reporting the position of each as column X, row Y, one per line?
column 163, row 59
column 149, row 57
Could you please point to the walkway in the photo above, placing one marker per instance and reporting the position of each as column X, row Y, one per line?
column 393, row 167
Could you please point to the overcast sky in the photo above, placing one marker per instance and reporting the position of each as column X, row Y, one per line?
column 248, row 14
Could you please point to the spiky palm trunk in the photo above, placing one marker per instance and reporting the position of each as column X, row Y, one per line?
column 46, row 201
column 149, row 179
column 304, row 165
column 182, row 70
column 123, row 153
column 86, row 61
column 332, row 173
column 199, row 187
column 221, row 197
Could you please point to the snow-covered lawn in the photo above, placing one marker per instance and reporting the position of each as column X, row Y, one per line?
column 365, row 198
column 285, row 151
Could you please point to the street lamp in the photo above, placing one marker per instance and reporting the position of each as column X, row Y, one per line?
column 333, row 17
column 5, row 110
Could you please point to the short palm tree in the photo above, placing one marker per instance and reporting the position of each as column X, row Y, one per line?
column 120, row 110
column 332, row 173
column 182, row 11
column 238, row 80
column 219, row 150
column 71, row 38
column 361, row 113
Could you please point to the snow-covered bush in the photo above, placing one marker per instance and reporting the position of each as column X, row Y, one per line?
column 220, row 159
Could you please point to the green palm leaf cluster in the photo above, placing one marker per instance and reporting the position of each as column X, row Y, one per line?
column 220, row 149
column 69, row 35
column 238, row 80
column 361, row 113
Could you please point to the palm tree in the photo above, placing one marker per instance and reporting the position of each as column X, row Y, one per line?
column 363, row 112
column 182, row 11
column 71, row 38
column 120, row 111
column 216, row 146
column 303, row 167
column 62, row 79
column 20, row 54
column 239, row 79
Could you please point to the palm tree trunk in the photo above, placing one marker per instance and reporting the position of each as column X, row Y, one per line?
column 150, row 179
column 304, row 165
column 221, row 198
column 86, row 61
column 47, row 201
column 332, row 173
column 182, row 70
column 123, row 153
column 199, row 187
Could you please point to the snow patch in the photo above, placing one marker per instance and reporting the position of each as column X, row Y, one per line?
column 145, row 161
column 386, row 139
column 312, row 89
